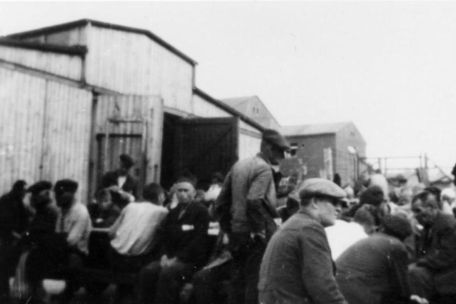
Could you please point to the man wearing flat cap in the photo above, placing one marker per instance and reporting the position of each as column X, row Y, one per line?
column 73, row 219
column 122, row 177
column 297, row 266
column 246, row 211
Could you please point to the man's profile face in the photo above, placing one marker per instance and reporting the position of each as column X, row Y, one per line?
column 425, row 212
column 185, row 192
column 328, row 210
column 275, row 154
column 41, row 199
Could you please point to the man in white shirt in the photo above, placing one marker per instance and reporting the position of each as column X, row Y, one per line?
column 133, row 235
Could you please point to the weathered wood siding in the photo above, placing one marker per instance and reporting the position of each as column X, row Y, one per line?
column 132, row 63
column 45, row 130
column 146, row 132
column 59, row 64
column 68, row 37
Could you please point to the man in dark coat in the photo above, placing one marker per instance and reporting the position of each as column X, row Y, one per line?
column 122, row 177
column 435, row 269
column 297, row 266
column 184, row 235
column 246, row 210
column 13, row 222
column 374, row 269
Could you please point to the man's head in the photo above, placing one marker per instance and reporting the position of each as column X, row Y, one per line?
column 425, row 208
column 322, row 198
column 273, row 146
column 396, row 225
column 154, row 193
column 185, row 190
column 40, row 194
column 65, row 190
column 19, row 189
column 126, row 162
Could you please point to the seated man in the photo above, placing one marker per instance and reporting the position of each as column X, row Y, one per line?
column 134, row 233
column 73, row 227
column 374, row 269
column 435, row 248
column 185, row 246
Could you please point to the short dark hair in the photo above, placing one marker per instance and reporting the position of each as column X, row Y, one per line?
column 424, row 196
column 126, row 160
column 152, row 192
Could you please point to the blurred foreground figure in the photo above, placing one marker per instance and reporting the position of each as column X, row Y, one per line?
column 434, row 271
column 297, row 265
column 374, row 270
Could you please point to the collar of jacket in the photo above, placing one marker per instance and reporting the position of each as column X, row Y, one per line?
column 263, row 157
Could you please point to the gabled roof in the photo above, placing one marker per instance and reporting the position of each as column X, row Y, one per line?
column 85, row 22
column 314, row 129
column 78, row 50
column 227, row 108
column 242, row 104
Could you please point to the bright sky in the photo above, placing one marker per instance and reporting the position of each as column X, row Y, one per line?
column 390, row 67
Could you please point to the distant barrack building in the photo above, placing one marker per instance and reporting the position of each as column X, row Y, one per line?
column 322, row 150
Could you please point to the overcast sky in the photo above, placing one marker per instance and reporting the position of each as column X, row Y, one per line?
column 390, row 67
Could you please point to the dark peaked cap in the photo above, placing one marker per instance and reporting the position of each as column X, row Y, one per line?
column 320, row 186
column 39, row 186
column 275, row 138
column 65, row 185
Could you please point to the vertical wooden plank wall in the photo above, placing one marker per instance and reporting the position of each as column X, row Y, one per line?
column 66, row 134
column 22, row 99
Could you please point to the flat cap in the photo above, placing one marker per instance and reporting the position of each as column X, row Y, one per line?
column 39, row 186
column 127, row 160
column 275, row 138
column 320, row 186
column 65, row 185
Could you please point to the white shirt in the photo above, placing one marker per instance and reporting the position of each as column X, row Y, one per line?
column 342, row 235
column 77, row 224
column 136, row 228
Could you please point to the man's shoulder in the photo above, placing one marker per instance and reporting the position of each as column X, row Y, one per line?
column 301, row 221
column 80, row 209
column 444, row 222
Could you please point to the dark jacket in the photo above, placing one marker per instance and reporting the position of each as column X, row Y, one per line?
column 247, row 201
column 297, row 266
column 436, row 246
column 13, row 215
column 374, row 271
column 185, row 233
column 130, row 185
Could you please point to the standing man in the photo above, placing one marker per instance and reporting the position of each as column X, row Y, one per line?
column 122, row 177
column 297, row 266
column 246, row 211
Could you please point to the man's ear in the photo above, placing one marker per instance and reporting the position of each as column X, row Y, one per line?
column 313, row 203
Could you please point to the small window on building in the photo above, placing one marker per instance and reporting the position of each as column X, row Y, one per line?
column 293, row 149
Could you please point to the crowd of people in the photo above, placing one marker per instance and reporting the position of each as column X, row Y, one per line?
column 232, row 243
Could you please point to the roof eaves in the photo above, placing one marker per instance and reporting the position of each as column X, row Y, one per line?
column 228, row 109
column 77, row 50
column 83, row 22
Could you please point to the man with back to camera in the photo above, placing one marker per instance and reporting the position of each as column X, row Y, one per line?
column 297, row 266
column 246, row 210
